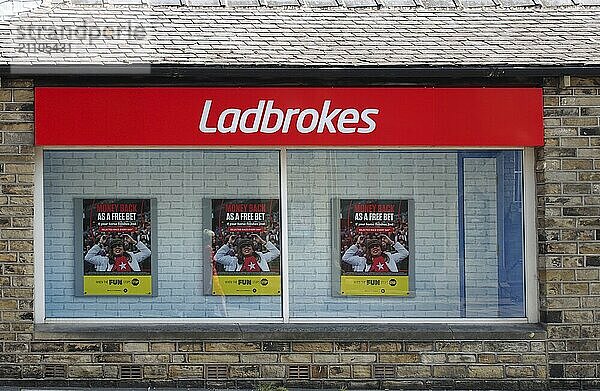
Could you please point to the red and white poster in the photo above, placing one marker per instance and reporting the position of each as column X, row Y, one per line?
column 375, row 253
column 117, row 242
column 246, row 247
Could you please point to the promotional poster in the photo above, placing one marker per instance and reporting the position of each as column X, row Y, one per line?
column 245, row 250
column 117, row 247
column 374, row 247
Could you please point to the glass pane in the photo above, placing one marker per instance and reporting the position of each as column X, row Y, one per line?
column 180, row 181
column 481, row 237
column 465, row 263
column 511, row 258
column 429, row 179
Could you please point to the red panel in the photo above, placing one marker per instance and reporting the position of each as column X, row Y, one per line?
column 493, row 117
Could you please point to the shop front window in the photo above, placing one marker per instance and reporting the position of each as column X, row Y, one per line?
column 272, row 234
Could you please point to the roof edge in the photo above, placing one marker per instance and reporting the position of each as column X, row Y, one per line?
column 275, row 71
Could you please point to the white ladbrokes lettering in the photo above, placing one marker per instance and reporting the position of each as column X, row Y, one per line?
column 266, row 118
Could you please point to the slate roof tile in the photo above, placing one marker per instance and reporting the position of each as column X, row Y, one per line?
column 300, row 35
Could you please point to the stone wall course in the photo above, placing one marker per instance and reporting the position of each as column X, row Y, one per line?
column 399, row 358
column 185, row 371
column 190, row 347
column 322, row 358
column 295, row 358
column 232, row 346
column 167, row 347
column 413, row 371
column 155, row 372
column 214, row 358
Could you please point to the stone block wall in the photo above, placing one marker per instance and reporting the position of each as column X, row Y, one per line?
column 568, row 190
column 16, row 222
column 323, row 364
column 568, row 197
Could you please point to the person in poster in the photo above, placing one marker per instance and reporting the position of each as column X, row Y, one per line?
column 372, row 258
column 116, row 258
column 246, row 258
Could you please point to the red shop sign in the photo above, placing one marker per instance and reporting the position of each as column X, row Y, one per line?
column 287, row 116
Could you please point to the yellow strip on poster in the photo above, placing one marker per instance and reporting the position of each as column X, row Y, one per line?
column 117, row 285
column 246, row 285
column 374, row 285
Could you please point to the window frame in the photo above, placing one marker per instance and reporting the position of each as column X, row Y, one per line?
column 531, row 297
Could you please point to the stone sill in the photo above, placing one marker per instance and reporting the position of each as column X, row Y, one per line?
column 288, row 332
